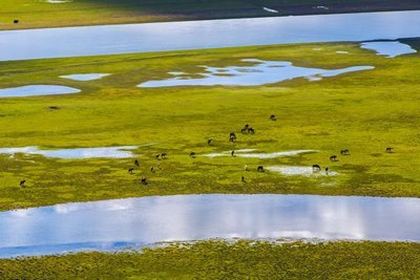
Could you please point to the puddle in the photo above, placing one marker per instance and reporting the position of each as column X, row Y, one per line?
column 118, row 224
column 36, row 90
column 299, row 171
column 388, row 48
column 85, row 77
column 342, row 52
column 250, row 153
column 78, row 153
column 260, row 73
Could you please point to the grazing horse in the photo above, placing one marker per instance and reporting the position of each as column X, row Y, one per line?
column 232, row 153
column 247, row 129
column 327, row 169
column 22, row 183
column 136, row 163
column 243, row 179
column 273, row 118
column 192, row 155
column 164, row 155
column 152, row 169
column 345, row 152
column 316, row 168
column 144, row 181
column 232, row 137
column 389, row 150
column 244, row 130
column 260, row 168
column 16, row 21
column 131, row 170
column 333, row 158
column 210, row 141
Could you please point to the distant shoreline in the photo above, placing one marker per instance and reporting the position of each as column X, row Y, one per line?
column 65, row 17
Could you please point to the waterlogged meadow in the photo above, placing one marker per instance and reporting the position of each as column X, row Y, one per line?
column 346, row 112
column 238, row 260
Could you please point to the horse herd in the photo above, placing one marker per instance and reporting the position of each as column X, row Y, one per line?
column 247, row 129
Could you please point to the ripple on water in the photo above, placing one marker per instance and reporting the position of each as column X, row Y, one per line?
column 260, row 73
column 36, row 90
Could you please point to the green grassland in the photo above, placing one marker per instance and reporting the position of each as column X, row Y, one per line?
column 40, row 13
column 240, row 260
column 363, row 111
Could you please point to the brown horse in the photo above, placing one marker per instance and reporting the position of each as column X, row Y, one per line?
column 260, row 168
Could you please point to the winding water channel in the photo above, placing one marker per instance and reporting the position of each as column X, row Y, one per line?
column 149, row 37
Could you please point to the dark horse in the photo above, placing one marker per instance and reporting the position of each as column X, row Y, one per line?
column 144, row 181
column 232, row 137
column 316, row 168
column 334, row 158
column 345, row 152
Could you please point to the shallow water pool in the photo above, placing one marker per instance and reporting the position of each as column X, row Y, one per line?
column 36, row 90
column 260, row 72
column 115, row 224
column 388, row 48
column 76, row 153
column 85, row 77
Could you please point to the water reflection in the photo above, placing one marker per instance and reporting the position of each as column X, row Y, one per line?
column 107, row 225
column 131, row 38
column 260, row 73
